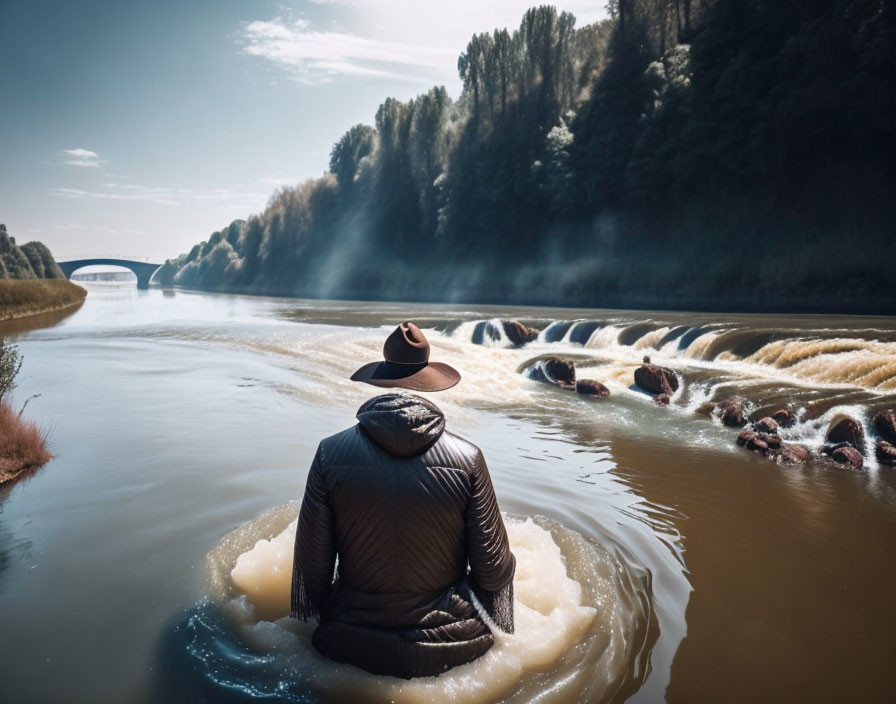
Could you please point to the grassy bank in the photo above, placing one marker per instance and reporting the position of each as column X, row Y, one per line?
column 22, row 444
column 21, row 297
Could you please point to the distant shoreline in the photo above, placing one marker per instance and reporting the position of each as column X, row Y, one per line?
column 23, row 298
column 695, row 305
column 41, row 311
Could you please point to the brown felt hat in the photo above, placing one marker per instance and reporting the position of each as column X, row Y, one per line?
column 407, row 365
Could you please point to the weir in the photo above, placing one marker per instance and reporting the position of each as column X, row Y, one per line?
column 143, row 270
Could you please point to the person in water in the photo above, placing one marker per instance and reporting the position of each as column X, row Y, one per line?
column 405, row 513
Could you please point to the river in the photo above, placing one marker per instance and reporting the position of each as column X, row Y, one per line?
column 176, row 417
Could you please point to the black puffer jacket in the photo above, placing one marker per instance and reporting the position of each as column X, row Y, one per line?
column 409, row 511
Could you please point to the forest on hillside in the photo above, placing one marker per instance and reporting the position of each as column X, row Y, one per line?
column 31, row 260
column 695, row 154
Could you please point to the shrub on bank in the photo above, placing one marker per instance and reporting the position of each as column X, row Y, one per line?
column 10, row 363
column 23, row 445
column 29, row 296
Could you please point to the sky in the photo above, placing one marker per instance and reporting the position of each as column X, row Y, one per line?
column 136, row 129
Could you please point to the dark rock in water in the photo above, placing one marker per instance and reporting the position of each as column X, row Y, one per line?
column 844, row 429
column 766, row 425
column 553, row 370
column 844, row 453
column 793, row 454
column 886, row 453
column 773, row 440
column 731, row 412
column 517, row 333
column 763, row 443
column 848, row 455
column 783, row 417
column 757, row 444
column 746, row 436
column 662, row 399
column 561, row 371
column 885, row 425
column 589, row 387
column 705, row 409
column 655, row 379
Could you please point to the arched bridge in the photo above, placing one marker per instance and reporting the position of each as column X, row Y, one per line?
column 143, row 270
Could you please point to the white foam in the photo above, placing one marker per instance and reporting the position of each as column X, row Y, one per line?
column 264, row 575
column 549, row 620
column 813, row 433
column 559, row 626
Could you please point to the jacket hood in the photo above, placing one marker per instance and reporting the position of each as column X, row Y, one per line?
column 402, row 424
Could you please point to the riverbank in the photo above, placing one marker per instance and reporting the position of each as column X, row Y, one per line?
column 23, row 297
column 22, row 445
column 548, row 287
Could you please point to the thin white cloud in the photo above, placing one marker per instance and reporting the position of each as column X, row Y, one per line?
column 166, row 195
column 155, row 195
column 405, row 40
column 317, row 57
column 277, row 182
column 80, row 157
column 78, row 227
column 453, row 26
column 506, row 11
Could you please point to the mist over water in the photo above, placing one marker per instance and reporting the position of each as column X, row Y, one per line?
column 180, row 419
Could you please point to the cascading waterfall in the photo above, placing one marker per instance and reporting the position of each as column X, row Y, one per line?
column 555, row 332
column 489, row 333
column 604, row 338
column 651, row 339
column 819, row 372
column 814, row 356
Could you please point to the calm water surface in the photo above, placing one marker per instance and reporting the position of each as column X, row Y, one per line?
column 175, row 418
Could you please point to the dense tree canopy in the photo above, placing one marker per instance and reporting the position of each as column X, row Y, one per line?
column 30, row 261
column 684, row 153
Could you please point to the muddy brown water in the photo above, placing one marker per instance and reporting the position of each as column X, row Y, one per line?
column 177, row 418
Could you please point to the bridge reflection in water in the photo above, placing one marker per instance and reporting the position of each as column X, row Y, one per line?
column 143, row 270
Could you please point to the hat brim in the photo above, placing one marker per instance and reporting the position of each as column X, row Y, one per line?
column 433, row 376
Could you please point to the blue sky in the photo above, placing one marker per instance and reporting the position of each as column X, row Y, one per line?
column 138, row 128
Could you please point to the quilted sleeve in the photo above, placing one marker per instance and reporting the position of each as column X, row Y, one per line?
column 315, row 548
column 492, row 565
